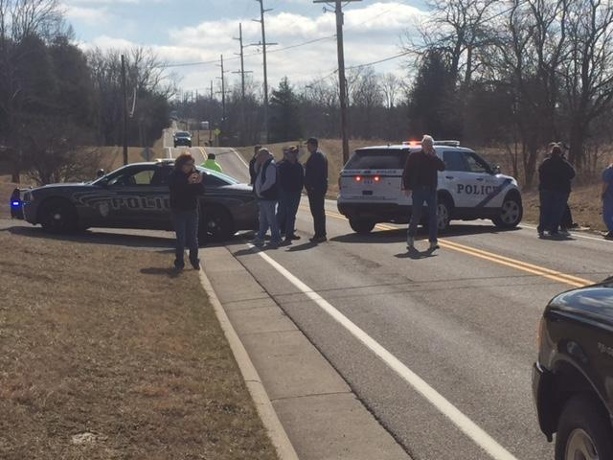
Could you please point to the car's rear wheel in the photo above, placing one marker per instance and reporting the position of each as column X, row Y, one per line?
column 58, row 215
column 511, row 213
column 584, row 431
column 215, row 225
column 361, row 226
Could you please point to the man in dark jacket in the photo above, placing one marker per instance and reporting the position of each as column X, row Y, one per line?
column 420, row 180
column 185, row 185
column 555, row 175
column 316, row 185
column 291, row 181
column 252, row 172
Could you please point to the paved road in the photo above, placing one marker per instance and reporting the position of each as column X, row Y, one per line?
column 439, row 347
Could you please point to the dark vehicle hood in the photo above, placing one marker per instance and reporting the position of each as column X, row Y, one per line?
column 591, row 302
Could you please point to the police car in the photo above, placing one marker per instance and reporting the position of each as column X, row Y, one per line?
column 370, row 188
column 137, row 196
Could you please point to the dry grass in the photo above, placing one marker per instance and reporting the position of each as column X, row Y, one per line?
column 105, row 355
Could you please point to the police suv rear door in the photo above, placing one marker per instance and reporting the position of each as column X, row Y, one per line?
column 374, row 175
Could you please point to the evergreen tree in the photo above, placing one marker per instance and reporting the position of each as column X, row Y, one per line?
column 284, row 122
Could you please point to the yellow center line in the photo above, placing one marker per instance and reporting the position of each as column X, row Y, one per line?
column 553, row 275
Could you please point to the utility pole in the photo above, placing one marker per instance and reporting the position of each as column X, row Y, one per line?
column 342, row 82
column 242, row 72
column 125, row 109
column 223, row 98
column 263, row 44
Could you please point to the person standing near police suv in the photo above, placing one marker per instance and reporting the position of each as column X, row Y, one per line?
column 420, row 181
column 185, row 185
column 316, row 185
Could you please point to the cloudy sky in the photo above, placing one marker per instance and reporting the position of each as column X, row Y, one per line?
column 192, row 35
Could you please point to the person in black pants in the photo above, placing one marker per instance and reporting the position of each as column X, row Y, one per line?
column 555, row 175
column 316, row 185
column 185, row 185
column 291, row 181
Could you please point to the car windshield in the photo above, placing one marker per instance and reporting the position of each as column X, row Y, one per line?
column 182, row 134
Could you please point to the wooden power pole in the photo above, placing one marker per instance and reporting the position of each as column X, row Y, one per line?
column 342, row 82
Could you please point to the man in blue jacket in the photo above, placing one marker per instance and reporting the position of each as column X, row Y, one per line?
column 316, row 185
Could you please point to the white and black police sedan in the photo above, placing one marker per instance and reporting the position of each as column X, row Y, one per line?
column 137, row 196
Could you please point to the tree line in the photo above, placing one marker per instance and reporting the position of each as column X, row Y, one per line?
column 55, row 99
column 511, row 74
column 515, row 74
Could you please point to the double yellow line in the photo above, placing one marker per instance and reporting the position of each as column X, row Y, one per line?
column 501, row 260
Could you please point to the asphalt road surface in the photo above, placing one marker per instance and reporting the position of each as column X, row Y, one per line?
column 438, row 346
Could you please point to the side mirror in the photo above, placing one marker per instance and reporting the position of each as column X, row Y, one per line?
column 496, row 169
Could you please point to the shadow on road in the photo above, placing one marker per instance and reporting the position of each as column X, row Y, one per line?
column 400, row 234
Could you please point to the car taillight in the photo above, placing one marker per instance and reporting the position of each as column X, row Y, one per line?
column 358, row 178
column 376, row 178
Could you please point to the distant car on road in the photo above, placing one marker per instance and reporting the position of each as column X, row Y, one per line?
column 573, row 375
column 182, row 138
column 137, row 196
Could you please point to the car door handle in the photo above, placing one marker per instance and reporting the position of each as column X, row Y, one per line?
column 449, row 177
column 480, row 179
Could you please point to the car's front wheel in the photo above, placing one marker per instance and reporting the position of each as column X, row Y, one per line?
column 584, row 431
column 511, row 213
column 215, row 224
column 58, row 215
column 361, row 226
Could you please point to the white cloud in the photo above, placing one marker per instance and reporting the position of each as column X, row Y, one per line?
column 305, row 46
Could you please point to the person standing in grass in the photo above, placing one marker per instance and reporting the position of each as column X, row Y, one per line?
column 185, row 185
column 555, row 175
column 607, row 200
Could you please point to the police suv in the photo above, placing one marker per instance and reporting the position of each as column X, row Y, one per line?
column 370, row 188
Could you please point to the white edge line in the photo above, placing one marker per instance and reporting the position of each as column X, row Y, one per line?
column 467, row 426
column 276, row 432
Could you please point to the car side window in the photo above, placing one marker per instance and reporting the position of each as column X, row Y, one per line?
column 455, row 161
column 476, row 164
column 133, row 178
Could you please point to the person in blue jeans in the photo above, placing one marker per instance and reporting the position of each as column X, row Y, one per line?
column 291, row 181
column 267, row 192
column 185, row 185
column 607, row 200
column 555, row 175
column 420, row 181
